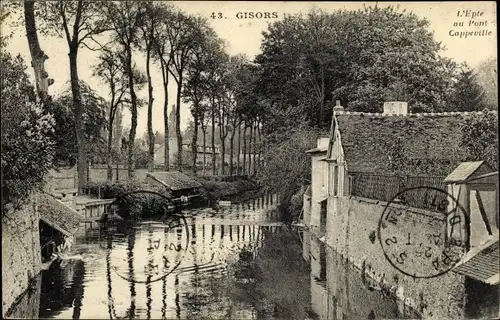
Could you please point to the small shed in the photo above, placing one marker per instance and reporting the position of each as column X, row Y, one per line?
column 58, row 224
column 475, row 186
column 177, row 183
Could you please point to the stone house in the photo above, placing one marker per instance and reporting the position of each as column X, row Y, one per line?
column 315, row 196
column 384, row 145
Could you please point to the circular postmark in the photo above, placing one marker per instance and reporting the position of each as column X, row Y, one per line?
column 149, row 251
column 423, row 232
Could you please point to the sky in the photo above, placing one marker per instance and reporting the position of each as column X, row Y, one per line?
column 245, row 35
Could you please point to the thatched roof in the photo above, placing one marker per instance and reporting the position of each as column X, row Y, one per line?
column 58, row 215
column 174, row 180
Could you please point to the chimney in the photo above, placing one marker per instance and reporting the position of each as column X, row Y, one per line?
column 337, row 106
column 323, row 142
column 396, row 107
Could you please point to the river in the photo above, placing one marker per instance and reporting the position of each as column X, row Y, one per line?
column 236, row 262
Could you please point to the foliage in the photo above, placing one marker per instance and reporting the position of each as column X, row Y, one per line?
column 138, row 205
column 466, row 93
column 111, row 189
column 27, row 147
column 281, row 175
column 141, row 154
column 94, row 123
column 487, row 77
column 480, row 138
column 359, row 57
column 224, row 187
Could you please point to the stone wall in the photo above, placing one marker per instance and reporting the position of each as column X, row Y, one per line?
column 351, row 231
column 21, row 258
column 28, row 304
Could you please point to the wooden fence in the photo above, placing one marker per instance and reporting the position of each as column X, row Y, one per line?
column 386, row 187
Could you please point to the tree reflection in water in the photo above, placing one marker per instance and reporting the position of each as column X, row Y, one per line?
column 62, row 288
column 275, row 282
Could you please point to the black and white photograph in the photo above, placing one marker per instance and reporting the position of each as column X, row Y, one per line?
column 291, row 160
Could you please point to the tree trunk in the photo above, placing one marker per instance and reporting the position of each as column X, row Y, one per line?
column 255, row 150
column 194, row 143
column 178, row 123
column 204, row 150
column 223, row 155
column 250, row 150
column 166, row 149
column 82, row 161
column 239, row 150
column 244, row 167
column 222, row 138
column 322, row 106
column 231, row 151
column 38, row 57
column 133, row 125
column 110, row 145
column 214, row 169
column 151, row 141
column 260, row 145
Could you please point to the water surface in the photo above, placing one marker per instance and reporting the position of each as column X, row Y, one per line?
column 237, row 262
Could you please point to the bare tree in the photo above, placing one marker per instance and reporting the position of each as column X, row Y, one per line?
column 150, row 23
column 184, row 34
column 110, row 70
column 125, row 18
column 165, row 55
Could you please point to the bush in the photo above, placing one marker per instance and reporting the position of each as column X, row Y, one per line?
column 111, row 189
column 138, row 205
column 287, row 165
column 27, row 147
column 223, row 187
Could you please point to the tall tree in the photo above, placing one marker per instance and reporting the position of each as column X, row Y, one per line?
column 244, row 167
column 78, row 22
column 165, row 55
column 204, row 121
column 124, row 19
column 110, row 70
column 195, row 89
column 310, row 59
column 184, row 34
column 150, row 22
column 487, row 77
column 94, row 125
column 245, row 100
column 466, row 93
